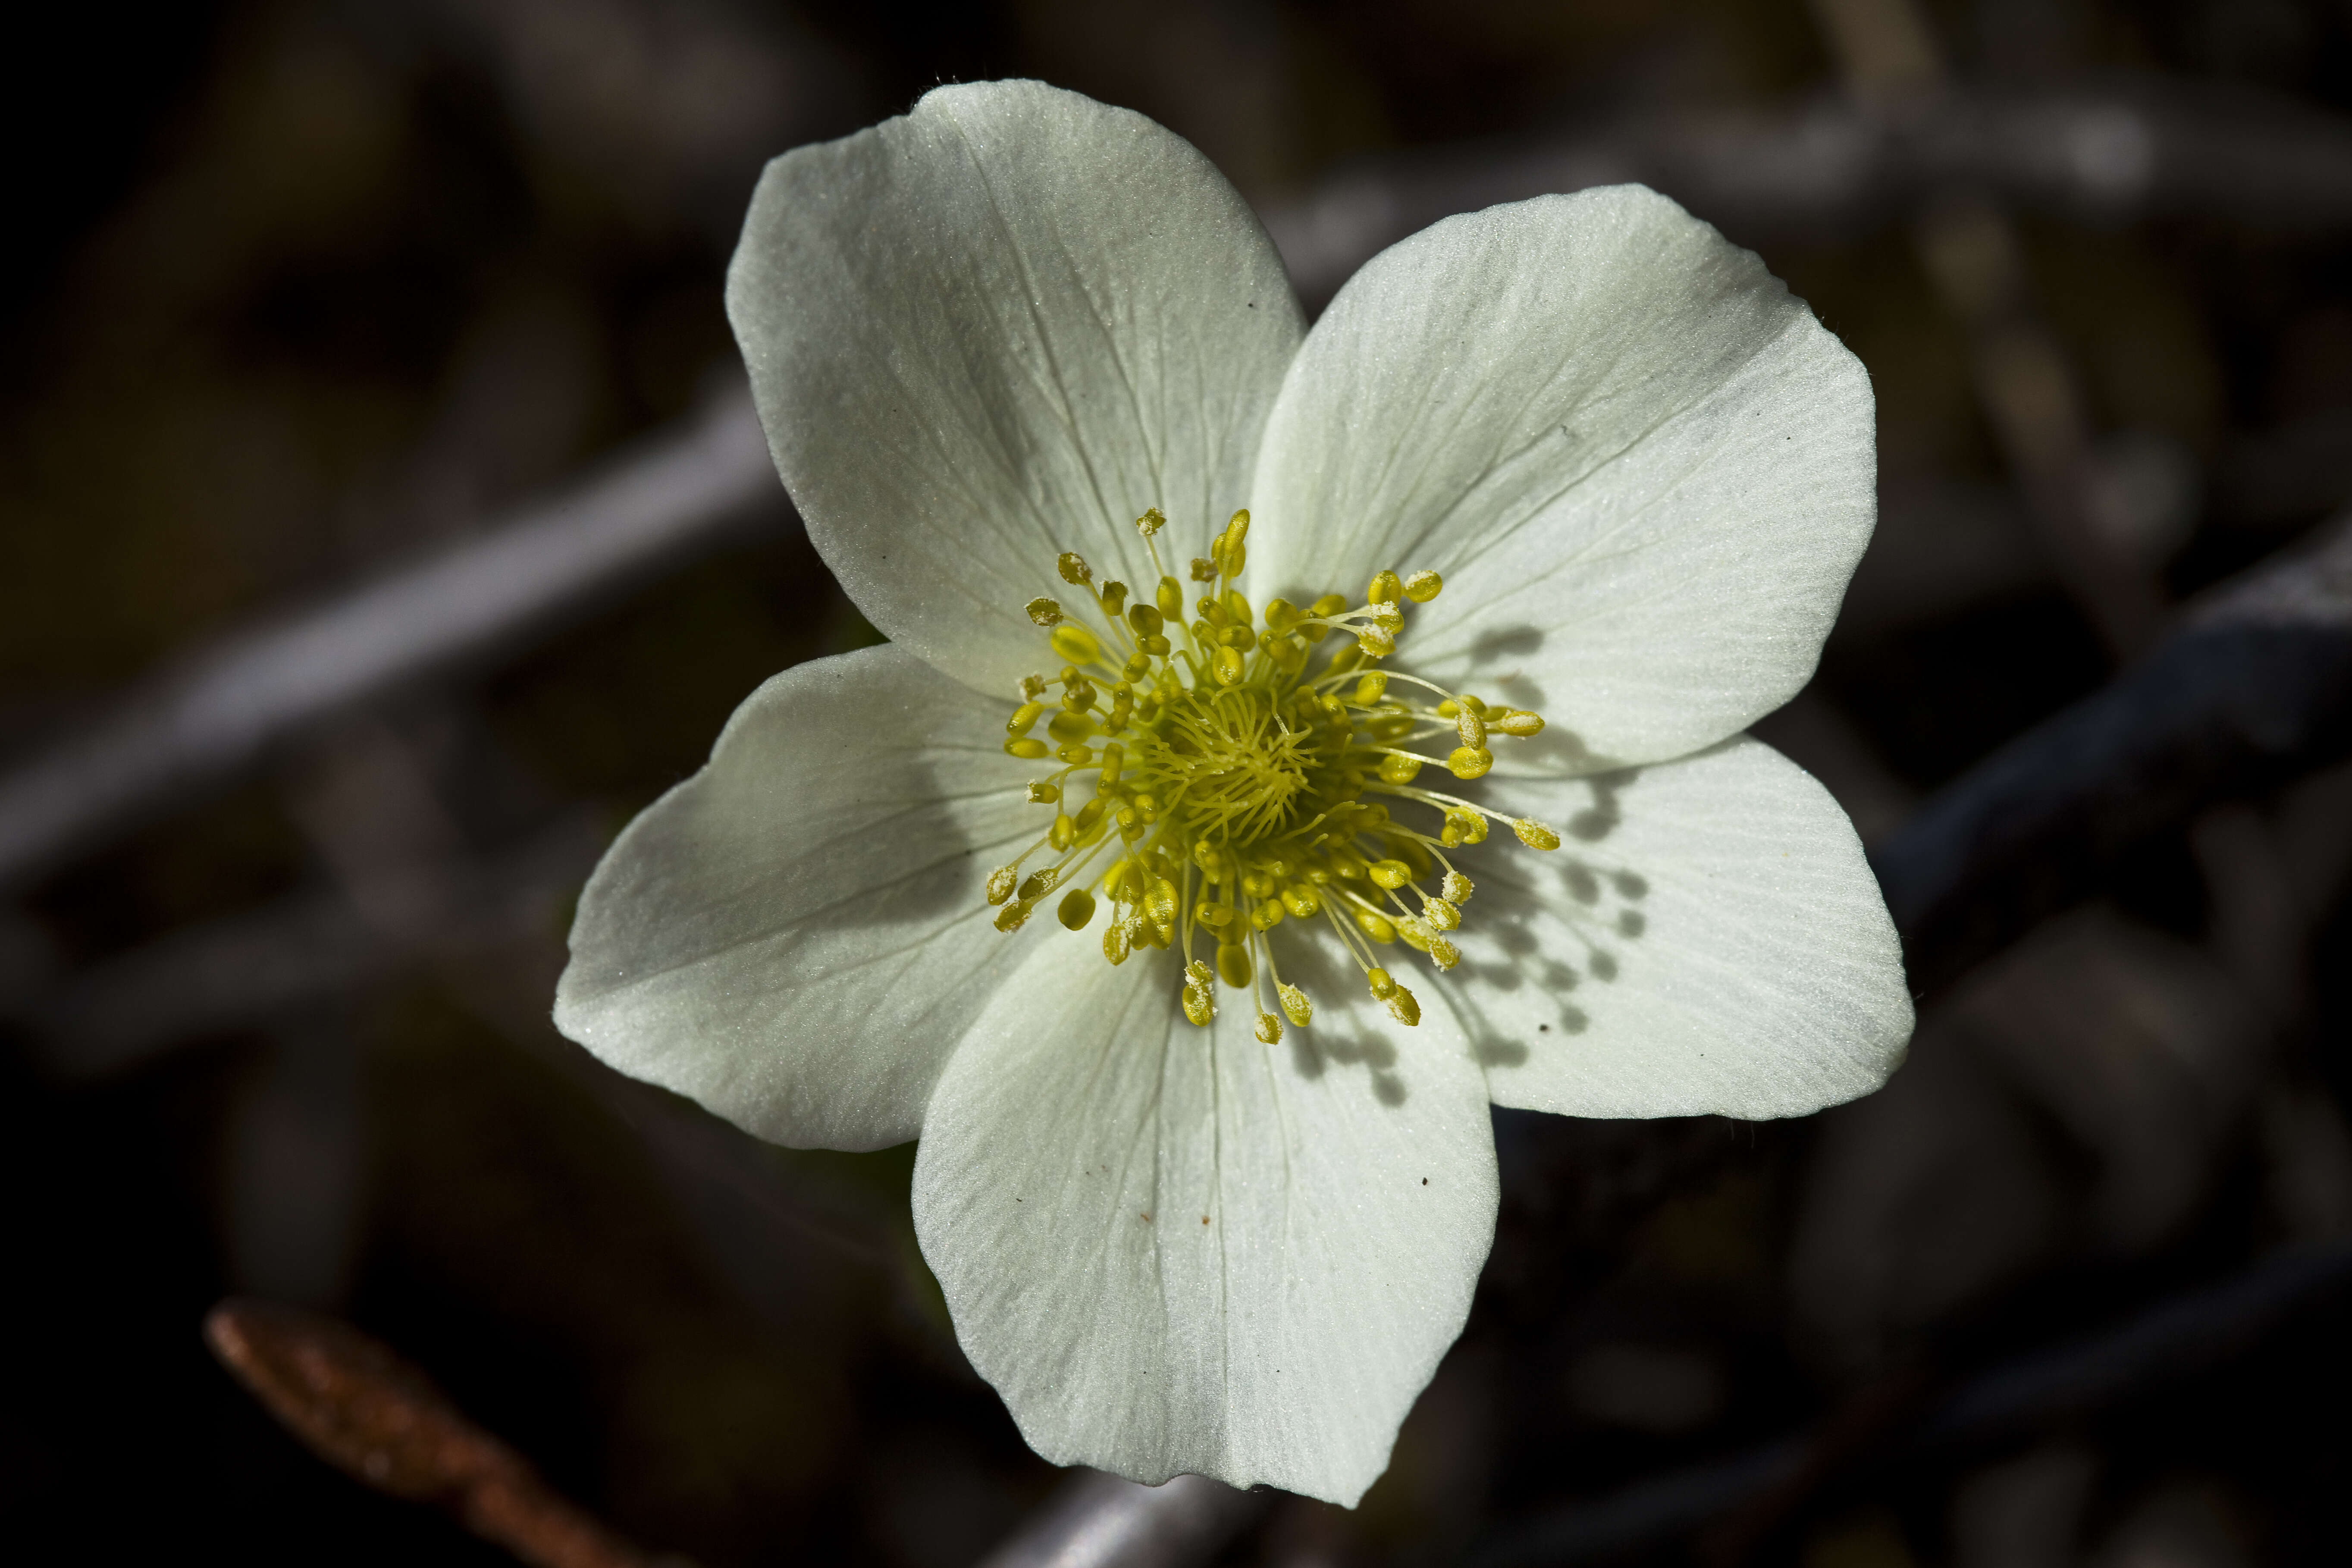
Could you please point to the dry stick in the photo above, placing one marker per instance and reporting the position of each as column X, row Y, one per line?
column 198, row 726
column 2107, row 151
column 1094, row 1521
column 2193, row 1333
column 360, row 1407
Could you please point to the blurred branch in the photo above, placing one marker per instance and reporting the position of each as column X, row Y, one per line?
column 197, row 727
column 2192, row 1333
column 2252, row 688
column 2107, row 153
column 363, row 1409
column 242, row 969
column 1096, row 1520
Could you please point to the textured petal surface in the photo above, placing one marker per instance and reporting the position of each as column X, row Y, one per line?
column 1707, row 938
column 999, row 327
column 1645, row 469
column 797, row 935
column 1179, row 1250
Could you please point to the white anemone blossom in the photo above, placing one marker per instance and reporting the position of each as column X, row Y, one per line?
column 1289, row 743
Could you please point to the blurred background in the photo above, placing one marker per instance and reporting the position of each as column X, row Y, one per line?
column 381, row 525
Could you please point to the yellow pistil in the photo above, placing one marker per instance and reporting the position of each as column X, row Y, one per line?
column 1241, row 762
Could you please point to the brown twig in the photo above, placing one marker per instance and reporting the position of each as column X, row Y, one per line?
column 360, row 1407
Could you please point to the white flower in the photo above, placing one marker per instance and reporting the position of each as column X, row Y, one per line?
column 987, row 338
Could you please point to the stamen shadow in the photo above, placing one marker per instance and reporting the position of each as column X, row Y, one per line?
column 1349, row 1029
column 1600, row 901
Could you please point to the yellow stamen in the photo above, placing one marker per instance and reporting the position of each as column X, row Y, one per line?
column 1244, row 765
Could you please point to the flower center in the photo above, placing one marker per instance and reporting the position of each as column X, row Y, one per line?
column 1241, row 778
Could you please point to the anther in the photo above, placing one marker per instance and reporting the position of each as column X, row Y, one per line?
column 1383, row 985
column 1042, row 794
column 1400, row 769
column 1391, row 873
column 1199, row 1005
column 1077, row 908
column 1405, row 1008
column 1000, row 883
column 1037, row 884
column 1535, row 835
column 1376, row 640
column 1469, row 761
column 1469, row 726
column 1296, row 1005
column 1014, row 915
column 1170, row 598
column 1075, row 644
column 1033, row 687
column 1441, row 913
column 1150, row 523
column 1456, row 889
column 1114, row 599
column 1372, row 688
column 1074, row 569
column 1386, row 589
column 1233, row 965
column 1269, row 1030
column 1146, row 620
column 1444, row 954
column 1203, row 569
column 1043, row 611
column 1518, row 721
column 1422, row 586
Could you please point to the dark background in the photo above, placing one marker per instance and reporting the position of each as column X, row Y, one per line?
column 300, row 291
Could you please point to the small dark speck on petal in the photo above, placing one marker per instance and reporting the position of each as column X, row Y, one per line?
column 1543, row 1028
column 1204, row 1219
column 1147, row 1217
column 1425, row 1180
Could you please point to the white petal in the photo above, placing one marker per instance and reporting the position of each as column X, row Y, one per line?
column 1707, row 938
column 999, row 327
column 797, row 935
column 1644, row 469
column 1179, row 1250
